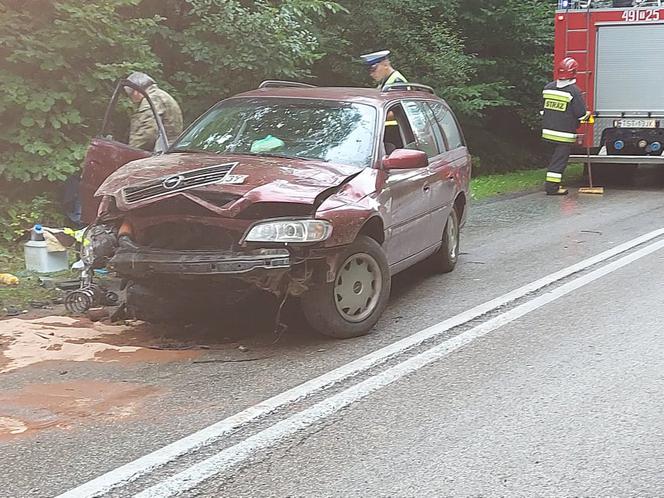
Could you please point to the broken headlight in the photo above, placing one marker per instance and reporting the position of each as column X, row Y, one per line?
column 289, row 231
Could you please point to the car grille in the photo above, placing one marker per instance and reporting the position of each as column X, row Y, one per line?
column 176, row 183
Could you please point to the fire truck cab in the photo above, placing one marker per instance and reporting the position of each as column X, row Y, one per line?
column 618, row 44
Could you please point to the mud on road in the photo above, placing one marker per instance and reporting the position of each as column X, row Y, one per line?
column 52, row 343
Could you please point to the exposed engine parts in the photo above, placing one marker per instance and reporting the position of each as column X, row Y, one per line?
column 99, row 245
column 89, row 296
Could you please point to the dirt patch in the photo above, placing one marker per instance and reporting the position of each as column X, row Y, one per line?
column 57, row 338
column 64, row 405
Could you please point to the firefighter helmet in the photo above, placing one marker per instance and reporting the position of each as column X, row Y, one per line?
column 567, row 68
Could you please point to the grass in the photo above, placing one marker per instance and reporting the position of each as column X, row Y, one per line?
column 29, row 287
column 487, row 186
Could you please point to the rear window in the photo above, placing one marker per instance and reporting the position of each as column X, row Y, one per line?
column 449, row 125
column 422, row 127
column 326, row 131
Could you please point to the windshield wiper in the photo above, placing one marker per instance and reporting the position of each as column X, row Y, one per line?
column 193, row 151
column 268, row 154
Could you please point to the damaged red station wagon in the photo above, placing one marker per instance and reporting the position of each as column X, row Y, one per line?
column 321, row 193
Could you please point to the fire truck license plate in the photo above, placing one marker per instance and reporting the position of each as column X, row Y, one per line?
column 636, row 123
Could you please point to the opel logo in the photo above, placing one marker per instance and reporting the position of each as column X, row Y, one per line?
column 172, row 182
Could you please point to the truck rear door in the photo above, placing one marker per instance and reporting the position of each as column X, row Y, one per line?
column 629, row 70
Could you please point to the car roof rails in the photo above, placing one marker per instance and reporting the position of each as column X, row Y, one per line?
column 284, row 84
column 417, row 87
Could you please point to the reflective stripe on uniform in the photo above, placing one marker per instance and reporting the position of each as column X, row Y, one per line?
column 553, row 177
column 557, row 95
column 395, row 77
column 558, row 136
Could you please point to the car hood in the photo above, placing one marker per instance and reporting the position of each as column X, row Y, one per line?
column 256, row 179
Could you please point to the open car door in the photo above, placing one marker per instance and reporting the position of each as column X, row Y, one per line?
column 106, row 154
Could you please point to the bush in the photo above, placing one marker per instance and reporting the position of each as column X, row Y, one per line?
column 17, row 216
column 60, row 59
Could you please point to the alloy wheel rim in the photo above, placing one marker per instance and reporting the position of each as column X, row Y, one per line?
column 452, row 238
column 357, row 287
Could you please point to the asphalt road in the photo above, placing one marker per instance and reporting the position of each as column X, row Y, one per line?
column 564, row 400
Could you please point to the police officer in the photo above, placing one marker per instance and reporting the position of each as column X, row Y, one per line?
column 143, row 131
column 380, row 69
column 564, row 107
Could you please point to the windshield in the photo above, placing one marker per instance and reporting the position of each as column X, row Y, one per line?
column 327, row 131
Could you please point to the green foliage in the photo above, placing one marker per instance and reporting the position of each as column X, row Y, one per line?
column 426, row 46
column 518, row 181
column 212, row 49
column 18, row 216
column 513, row 43
column 60, row 59
column 513, row 40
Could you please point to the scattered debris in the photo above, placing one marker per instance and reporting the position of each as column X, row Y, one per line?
column 244, row 349
column 39, row 304
column 12, row 311
column 98, row 314
column 591, row 231
column 8, row 279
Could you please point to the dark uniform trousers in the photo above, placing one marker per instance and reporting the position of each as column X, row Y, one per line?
column 557, row 165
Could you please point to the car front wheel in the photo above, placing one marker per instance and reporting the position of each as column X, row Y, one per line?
column 352, row 304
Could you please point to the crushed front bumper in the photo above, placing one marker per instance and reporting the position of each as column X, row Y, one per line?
column 135, row 261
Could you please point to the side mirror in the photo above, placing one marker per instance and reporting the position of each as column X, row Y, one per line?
column 406, row 159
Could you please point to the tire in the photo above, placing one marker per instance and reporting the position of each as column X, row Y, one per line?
column 445, row 259
column 337, row 309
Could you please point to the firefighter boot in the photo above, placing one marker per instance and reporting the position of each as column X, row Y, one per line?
column 555, row 189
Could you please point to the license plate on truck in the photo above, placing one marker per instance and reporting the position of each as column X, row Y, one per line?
column 636, row 123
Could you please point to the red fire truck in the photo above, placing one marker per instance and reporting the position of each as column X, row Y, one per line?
column 619, row 45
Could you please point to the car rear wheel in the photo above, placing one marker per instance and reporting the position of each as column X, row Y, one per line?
column 445, row 259
column 352, row 304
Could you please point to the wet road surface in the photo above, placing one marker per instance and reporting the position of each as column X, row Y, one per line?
column 564, row 400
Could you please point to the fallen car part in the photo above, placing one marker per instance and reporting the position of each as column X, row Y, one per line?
column 88, row 296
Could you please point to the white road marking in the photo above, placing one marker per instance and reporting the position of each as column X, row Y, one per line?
column 141, row 466
column 231, row 457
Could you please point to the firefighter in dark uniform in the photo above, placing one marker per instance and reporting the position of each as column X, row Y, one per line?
column 381, row 70
column 564, row 107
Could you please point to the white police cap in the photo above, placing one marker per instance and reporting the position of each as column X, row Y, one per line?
column 375, row 57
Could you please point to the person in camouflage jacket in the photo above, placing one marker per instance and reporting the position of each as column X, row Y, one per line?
column 143, row 131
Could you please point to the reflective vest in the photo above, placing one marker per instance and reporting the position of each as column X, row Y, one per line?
column 563, row 108
column 395, row 77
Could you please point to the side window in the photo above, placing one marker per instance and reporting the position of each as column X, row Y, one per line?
column 440, row 139
column 449, row 125
column 422, row 128
column 397, row 133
